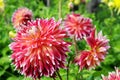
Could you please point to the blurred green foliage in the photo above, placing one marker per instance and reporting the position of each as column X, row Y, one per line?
column 103, row 19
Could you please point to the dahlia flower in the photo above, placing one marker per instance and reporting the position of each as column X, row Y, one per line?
column 92, row 58
column 78, row 26
column 40, row 49
column 112, row 75
column 21, row 17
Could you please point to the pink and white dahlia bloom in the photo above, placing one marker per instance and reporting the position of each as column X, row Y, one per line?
column 21, row 16
column 92, row 58
column 40, row 49
column 112, row 75
column 78, row 26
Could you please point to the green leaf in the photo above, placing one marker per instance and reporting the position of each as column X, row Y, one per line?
column 109, row 60
column 13, row 78
column 4, row 60
column 2, row 71
column 90, row 77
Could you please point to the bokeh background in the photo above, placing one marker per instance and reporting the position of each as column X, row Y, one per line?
column 104, row 16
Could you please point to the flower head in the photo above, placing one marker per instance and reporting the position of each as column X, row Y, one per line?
column 40, row 49
column 91, row 58
column 21, row 17
column 113, row 75
column 78, row 26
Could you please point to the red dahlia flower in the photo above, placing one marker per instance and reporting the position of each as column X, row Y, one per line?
column 113, row 75
column 78, row 26
column 40, row 49
column 21, row 17
column 92, row 58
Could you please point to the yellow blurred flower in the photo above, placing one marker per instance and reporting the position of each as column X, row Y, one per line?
column 1, row 5
column 113, row 4
column 117, row 5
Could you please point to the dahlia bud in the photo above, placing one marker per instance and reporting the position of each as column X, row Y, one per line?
column 76, row 2
column 21, row 17
column 12, row 34
column 70, row 5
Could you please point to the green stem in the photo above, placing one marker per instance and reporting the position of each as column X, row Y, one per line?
column 80, row 75
column 9, row 73
column 60, row 9
column 54, row 79
column 111, row 12
column 48, row 3
column 75, row 45
column 59, row 75
column 68, row 69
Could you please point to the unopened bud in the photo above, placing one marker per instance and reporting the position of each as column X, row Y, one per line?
column 12, row 34
column 111, row 4
column 76, row 2
column 70, row 5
